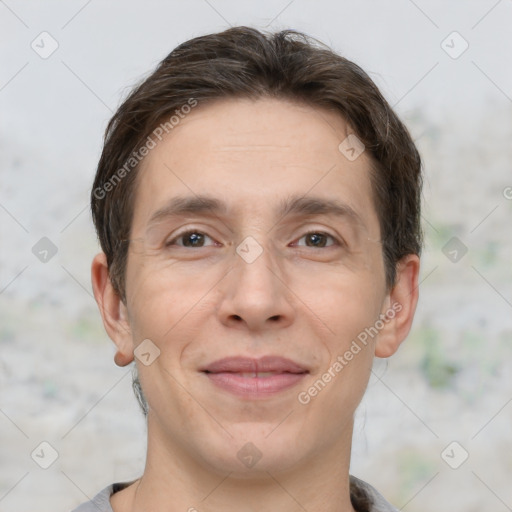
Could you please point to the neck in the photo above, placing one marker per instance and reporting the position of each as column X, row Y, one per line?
column 174, row 481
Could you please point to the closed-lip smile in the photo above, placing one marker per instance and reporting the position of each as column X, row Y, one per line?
column 255, row 378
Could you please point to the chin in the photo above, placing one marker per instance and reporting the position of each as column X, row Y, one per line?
column 252, row 452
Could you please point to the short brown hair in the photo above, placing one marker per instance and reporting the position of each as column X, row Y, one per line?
column 244, row 62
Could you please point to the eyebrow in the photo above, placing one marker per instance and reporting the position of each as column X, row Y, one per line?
column 293, row 205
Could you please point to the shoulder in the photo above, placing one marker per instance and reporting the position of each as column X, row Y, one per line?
column 379, row 503
column 101, row 502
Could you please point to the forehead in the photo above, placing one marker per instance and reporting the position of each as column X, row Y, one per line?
column 254, row 154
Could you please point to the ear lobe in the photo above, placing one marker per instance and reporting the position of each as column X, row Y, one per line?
column 400, row 307
column 113, row 312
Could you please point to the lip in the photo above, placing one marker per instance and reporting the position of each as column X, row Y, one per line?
column 242, row 364
column 228, row 373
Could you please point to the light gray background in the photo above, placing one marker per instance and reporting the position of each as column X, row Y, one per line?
column 449, row 382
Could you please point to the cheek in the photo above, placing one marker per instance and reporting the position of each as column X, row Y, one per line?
column 342, row 307
column 161, row 293
column 166, row 302
column 344, row 302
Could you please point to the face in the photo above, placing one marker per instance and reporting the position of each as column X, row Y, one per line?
column 255, row 237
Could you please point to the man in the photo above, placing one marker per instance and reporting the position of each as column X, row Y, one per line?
column 257, row 202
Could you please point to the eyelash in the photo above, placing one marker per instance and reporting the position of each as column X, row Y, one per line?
column 171, row 242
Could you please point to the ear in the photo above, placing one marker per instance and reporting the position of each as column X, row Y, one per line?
column 113, row 311
column 399, row 307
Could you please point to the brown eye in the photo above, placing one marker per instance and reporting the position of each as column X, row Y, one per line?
column 189, row 239
column 317, row 239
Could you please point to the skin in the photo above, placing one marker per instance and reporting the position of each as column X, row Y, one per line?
column 303, row 298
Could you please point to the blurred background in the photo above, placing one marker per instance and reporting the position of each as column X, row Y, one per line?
column 434, row 430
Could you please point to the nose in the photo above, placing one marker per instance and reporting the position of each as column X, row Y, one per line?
column 255, row 294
